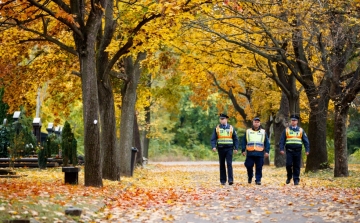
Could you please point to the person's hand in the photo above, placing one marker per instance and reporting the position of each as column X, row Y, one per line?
column 243, row 153
column 282, row 152
column 235, row 151
column 266, row 155
column 214, row 149
column 307, row 153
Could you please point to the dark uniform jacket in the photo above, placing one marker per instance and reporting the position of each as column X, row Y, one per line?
column 214, row 138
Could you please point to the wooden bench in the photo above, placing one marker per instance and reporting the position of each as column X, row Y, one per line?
column 8, row 173
column 29, row 162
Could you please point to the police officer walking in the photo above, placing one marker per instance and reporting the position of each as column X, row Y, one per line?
column 292, row 139
column 225, row 140
column 256, row 144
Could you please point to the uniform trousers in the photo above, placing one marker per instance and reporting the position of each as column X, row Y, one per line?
column 293, row 162
column 258, row 161
column 226, row 153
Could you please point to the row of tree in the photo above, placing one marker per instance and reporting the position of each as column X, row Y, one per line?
column 243, row 50
column 309, row 47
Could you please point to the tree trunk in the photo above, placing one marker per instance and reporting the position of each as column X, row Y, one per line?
column 132, row 71
column 93, row 176
column 145, row 140
column 109, row 152
column 110, row 155
column 137, row 142
column 279, row 127
column 340, row 141
column 268, row 133
column 317, row 158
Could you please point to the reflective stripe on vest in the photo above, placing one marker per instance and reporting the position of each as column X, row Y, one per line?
column 293, row 137
column 224, row 135
column 255, row 140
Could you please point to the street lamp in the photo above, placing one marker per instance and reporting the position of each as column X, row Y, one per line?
column 16, row 115
column 50, row 128
column 37, row 129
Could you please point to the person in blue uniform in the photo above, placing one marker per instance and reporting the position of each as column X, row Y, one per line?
column 257, row 146
column 292, row 139
column 225, row 141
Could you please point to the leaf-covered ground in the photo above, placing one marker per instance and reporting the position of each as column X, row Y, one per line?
column 185, row 192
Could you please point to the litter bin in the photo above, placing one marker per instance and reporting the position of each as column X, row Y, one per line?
column 133, row 157
column 71, row 175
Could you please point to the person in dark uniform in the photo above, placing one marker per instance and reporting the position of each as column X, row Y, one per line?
column 225, row 141
column 256, row 143
column 292, row 139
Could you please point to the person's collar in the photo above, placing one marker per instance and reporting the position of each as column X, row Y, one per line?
column 293, row 127
column 256, row 129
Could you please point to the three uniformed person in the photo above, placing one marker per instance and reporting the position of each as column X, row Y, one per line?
column 256, row 144
column 224, row 140
column 292, row 140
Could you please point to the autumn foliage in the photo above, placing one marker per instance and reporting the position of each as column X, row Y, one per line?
column 179, row 193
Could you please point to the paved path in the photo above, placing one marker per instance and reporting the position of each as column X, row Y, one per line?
column 189, row 163
column 243, row 202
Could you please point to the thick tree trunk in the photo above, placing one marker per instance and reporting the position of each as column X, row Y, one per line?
column 318, row 158
column 109, row 152
column 137, row 142
column 280, row 124
column 340, row 141
column 110, row 155
column 93, row 176
column 132, row 71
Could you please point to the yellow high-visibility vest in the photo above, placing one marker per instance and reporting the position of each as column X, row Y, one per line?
column 293, row 137
column 224, row 135
column 255, row 140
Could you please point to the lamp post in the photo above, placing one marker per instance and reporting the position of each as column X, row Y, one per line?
column 50, row 128
column 16, row 118
column 57, row 130
column 37, row 129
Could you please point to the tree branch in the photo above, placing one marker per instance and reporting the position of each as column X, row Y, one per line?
column 119, row 75
column 246, row 46
column 50, row 39
column 129, row 43
column 62, row 20
column 347, row 76
column 237, row 107
column 62, row 5
column 76, row 73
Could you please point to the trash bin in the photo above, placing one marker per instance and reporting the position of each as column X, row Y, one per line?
column 71, row 175
column 133, row 157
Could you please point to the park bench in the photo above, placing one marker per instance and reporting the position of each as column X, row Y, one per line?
column 29, row 162
column 8, row 173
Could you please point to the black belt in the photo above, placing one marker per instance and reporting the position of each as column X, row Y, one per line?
column 225, row 146
column 293, row 150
